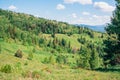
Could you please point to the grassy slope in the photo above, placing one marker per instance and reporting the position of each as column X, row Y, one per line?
column 47, row 71
column 73, row 38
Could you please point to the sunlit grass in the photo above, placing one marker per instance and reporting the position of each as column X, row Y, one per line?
column 47, row 71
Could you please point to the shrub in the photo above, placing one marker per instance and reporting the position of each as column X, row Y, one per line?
column 63, row 42
column 26, row 63
column 45, row 60
column 6, row 68
column 19, row 53
column 41, row 41
column 81, row 40
column 61, row 59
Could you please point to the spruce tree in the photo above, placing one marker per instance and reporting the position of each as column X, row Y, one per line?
column 94, row 60
column 112, row 43
column 0, row 49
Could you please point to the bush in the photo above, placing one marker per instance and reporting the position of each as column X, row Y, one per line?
column 81, row 40
column 61, row 59
column 41, row 41
column 19, row 53
column 46, row 60
column 26, row 63
column 6, row 69
column 63, row 42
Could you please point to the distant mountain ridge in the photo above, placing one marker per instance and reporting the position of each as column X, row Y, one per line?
column 100, row 28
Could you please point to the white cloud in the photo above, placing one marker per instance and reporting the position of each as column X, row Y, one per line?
column 74, row 15
column 60, row 7
column 104, row 6
column 95, row 16
column 83, row 2
column 85, row 13
column 94, row 20
column 37, row 15
column 12, row 7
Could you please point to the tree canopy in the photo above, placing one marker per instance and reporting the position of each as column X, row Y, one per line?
column 112, row 43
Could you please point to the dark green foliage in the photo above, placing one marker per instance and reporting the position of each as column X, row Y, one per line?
column 46, row 60
column 69, row 45
column 53, row 35
column 41, row 42
column 0, row 49
column 35, row 25
column 61, row 59
column 91, row 34
column 102, row 35
column 6, row 68
column 84, row 58
column 19, row 54
column 112, row 43
column 90, row 45
column 63, row 42
column 81, row 40
column 49, row 43
column 94, row 60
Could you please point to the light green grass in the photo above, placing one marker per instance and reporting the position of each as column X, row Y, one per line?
column 47, row 71
column 73, row 38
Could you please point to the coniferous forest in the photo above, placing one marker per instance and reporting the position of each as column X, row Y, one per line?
column 34, row 48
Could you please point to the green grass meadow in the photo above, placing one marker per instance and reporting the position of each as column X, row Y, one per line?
column 35, row 69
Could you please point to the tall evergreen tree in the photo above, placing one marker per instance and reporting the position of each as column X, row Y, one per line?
column 0, row 49
column 112, row 43
column 94, row 60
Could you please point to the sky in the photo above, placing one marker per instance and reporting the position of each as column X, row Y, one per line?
column 89, row 12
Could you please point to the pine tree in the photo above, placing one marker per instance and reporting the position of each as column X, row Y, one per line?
column 94, row 60
column 112, row 42
column 0, row 49
column 84, row 58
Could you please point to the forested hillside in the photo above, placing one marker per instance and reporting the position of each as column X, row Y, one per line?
column 31, row 30
column 27, row 42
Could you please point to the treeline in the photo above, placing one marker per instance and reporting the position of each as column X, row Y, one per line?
column 36, row 25
column 27, row 28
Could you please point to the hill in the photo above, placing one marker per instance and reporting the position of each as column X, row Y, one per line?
column 37, row 48
column 100, row 28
